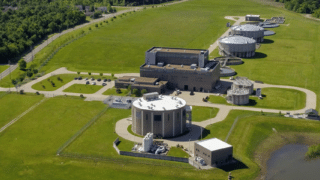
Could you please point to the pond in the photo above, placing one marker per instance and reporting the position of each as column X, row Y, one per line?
column 289, row 163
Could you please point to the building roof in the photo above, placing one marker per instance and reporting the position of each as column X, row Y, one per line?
column 238, row 91
column 183, row 67
column 242, row 81
column 213, row 144
column 247, row 27
column 251, row 15
column 138, row 80
column 237, row 40
column 177, row 50
column 162, row 103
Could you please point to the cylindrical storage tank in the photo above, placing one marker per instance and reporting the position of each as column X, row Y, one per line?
column 238, row 46
column 241, row 82
column 250, row 31
column 164, row 116
column 238, row 96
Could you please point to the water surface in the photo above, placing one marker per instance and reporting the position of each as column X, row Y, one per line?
column 289, row 163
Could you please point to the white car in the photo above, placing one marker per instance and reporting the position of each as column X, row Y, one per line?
column 93, row 83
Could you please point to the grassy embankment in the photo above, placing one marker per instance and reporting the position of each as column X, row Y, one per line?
column 45, row 85
column 273, row 98
column 203, row 113
column 177, row 152
column 313, row 152
column 256, row 136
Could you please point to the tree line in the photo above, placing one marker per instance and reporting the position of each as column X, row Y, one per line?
column 303, row 6
column 22, row 28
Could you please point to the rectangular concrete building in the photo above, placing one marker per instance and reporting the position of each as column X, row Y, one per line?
column 251, row 17
column 214, row 151
column 185, row 69
column 150, row 84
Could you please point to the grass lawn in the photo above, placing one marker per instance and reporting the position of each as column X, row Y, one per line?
column 177, row 152
column 65, row 79
column 273, row 98
column 12, row 105
column 3, row 67
column 253, row 135
column 83, row 88
column 203, row 113
column 131, row 132
column 112, row 91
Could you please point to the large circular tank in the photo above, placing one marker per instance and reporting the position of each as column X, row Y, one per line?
column 243, row 82
column 238, row 96
column 238, row 46
column 164, row 116
column 250, row 31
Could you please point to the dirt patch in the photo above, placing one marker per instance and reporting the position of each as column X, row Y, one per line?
column 278, row 140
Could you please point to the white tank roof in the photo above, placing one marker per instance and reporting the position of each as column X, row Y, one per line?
column 213, row 144
column 237, row 40
column 162, row 103
column 247, row 27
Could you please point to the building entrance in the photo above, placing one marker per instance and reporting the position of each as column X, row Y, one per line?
column 186, row 87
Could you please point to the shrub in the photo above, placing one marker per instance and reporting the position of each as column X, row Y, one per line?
column 96, row 25
column 43, row 87
column 37, row 93
column 89, row 28
column 81, row 95
column 21, row 91
column 29, row 73
column 35, row 71
column 22, row 64
column 78, row 73
column 89, row 73
column 101, row 74
column 101, row 23
column 143, row 91
column 136, row 92
column 112, row 75
column 118, row 90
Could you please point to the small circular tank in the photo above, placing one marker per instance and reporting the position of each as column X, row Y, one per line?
column 250, row 31
column 238, row 46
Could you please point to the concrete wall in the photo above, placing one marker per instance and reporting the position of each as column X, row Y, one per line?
column 173, row 122
column 204, row 81
column 152, row 156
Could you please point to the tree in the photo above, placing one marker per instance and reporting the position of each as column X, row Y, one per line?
column 118, row 90
column 112, row 75
column 22, row 64
column 96, row 25
column 78, row 73
column 143, row 91
column 129, row 87
column 89, row 28
column 136, row 92
column 14, row 82
column 91, row 8
column 89, row 73
column 29, row 73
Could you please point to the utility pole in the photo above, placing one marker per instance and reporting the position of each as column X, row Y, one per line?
column 10, row 75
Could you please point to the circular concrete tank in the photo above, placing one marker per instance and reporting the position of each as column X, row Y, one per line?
column 238, row 96
column 164, row 116
column 250, row 31
column 238, row 46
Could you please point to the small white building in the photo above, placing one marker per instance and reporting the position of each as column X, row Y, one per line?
column 214, row 151
column 147, row 142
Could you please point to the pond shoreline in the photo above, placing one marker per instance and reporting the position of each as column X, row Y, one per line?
column 276, row 141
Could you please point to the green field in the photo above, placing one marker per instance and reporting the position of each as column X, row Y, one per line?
column 83, row 88
column 112, row 91
column 65, row 79
column 177, row 152
column 253, row 137
column 203, row 113
column 273, row 98
column 12, row 105
column 3, row 67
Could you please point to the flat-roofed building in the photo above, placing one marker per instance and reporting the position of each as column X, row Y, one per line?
column 149, row 84
column 185, row 69
column 251, row 17
column 214, row 151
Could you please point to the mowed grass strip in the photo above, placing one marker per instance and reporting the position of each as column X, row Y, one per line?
column 83, row 88
column 3, row 67
column 177, row 152
column 203, row 113
column 12, row 105
column 112, row 91
column 273, row 98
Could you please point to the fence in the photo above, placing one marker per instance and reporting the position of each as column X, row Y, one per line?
column 151, row 156
column 84, row 128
